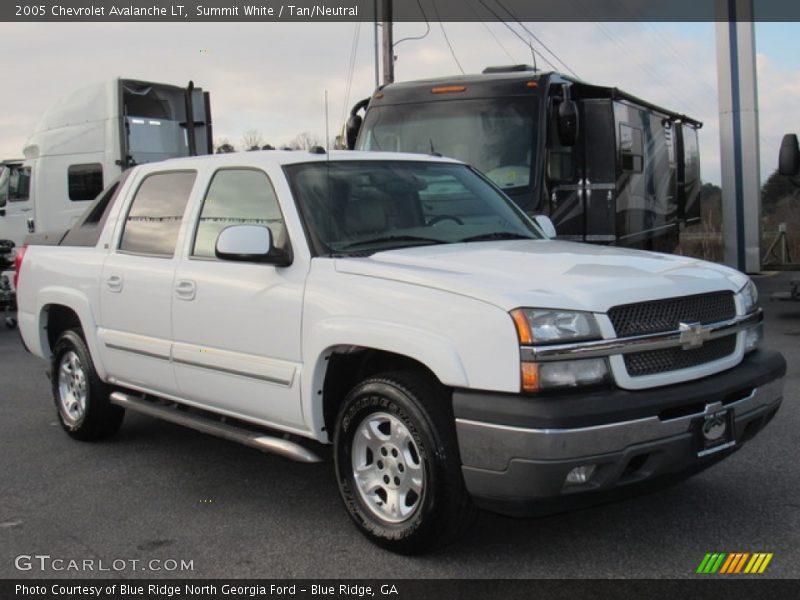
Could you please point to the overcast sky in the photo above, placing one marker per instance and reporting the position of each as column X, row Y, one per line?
column 272, row 77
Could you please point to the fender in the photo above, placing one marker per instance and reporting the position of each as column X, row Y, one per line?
column 80, row 304
column 434, row 351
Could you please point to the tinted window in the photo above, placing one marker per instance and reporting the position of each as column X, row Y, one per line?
column 19, row 184
column 631, row 148
column 238, row 197
column 368, row 206
column 495, row 136
column 85, row 181
column 155, row 215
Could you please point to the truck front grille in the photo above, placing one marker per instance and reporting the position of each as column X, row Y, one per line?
column 658, row 316
column 665, row 315
column 674, row 359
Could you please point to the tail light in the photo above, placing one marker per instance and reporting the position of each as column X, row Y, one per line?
column 18, row 264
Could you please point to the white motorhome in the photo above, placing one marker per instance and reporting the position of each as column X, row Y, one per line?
column 88, row 138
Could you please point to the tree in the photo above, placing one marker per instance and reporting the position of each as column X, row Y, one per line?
column 304, row 141
column 777, row 187
column 223, row 146
column 252, row 139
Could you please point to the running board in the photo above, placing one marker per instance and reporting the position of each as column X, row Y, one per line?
column 253, row 439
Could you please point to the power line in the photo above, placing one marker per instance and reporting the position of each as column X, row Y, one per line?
column 514, row 31
column 652, row 74
column 487, row 28
column 446, row 39
column 541, row 43
column 418, row 37
column 351, row 67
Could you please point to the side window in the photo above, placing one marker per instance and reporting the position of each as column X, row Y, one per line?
column 19, row 184
column 155, row 215
column 631, row 148
column 238, row 197
column 84, row 182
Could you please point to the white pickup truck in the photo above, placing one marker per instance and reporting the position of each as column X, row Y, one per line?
column 402, row 309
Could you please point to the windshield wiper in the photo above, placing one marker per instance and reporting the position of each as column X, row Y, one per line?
column 392, row 238
column 496, row 235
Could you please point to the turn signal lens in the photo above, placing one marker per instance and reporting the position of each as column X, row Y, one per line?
column 448, row 89
column 530, row 377
column 523, row 327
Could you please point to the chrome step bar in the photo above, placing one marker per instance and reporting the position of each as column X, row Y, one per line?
column 253, row 439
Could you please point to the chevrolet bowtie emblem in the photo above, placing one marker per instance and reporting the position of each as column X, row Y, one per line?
column 693, row 335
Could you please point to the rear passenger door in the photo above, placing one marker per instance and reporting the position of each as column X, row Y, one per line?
column 136, row 288
column 237, row 324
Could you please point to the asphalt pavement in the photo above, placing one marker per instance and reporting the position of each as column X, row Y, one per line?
column 159, row 492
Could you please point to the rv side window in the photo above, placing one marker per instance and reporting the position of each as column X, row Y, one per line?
column 156, row 212
column 85, row 182
column 238, row 197
column 631, row 149
column 98, row 210
column 19, row 184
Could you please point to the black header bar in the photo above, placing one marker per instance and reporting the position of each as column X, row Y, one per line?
column 708, row 586
column 403, row 10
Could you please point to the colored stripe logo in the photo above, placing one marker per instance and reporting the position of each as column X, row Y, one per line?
column 734, row 563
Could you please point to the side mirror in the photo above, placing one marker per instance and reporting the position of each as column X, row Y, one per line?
column 567, row 122
column 546, row 225
column 250, row 243
column 789, row 157
column 351, row 130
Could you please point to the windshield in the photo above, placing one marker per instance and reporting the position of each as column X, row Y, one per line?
column 358, row 207
column 493, row 135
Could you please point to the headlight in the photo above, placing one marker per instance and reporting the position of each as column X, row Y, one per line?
column 546, row 326
column 749, row 294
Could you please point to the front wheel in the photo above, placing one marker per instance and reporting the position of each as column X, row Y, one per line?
column 82, row 399
column 397, row 463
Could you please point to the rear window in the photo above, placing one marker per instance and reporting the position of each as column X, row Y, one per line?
column 156, row 212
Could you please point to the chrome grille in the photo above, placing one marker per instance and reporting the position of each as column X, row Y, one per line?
column 658, row 316
column 674, row 359
column 665, row 315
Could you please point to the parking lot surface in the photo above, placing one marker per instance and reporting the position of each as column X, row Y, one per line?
column 160, row 492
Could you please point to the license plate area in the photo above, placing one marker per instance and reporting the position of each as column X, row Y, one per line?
column 714, row 432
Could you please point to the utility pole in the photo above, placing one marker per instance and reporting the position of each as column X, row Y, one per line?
column 738, row 135
column 388, row 43
column 375, row 39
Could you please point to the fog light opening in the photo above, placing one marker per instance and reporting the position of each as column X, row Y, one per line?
column 753, row 338
column 581, row 474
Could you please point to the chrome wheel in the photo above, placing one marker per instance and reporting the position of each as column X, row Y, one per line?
column 71, row 388
column 387, row 469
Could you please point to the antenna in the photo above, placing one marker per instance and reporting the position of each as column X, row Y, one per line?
column 327, row 129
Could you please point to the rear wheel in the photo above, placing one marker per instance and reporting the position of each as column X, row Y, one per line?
column 82, row 399
column 397, row 463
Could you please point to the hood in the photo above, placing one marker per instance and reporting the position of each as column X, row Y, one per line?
column 546, row 273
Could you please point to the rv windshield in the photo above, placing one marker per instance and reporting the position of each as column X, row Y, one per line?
column 494, row 135
column 361, row 207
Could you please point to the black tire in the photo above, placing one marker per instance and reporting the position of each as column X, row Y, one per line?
column 418, row 409
column 74, row 379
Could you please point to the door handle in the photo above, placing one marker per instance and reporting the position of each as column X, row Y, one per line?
column 114, row 283
column 186, row 289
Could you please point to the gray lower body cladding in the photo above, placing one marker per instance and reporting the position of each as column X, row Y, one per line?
column 517, row 451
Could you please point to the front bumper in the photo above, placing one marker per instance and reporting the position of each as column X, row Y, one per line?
column 517, row 450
